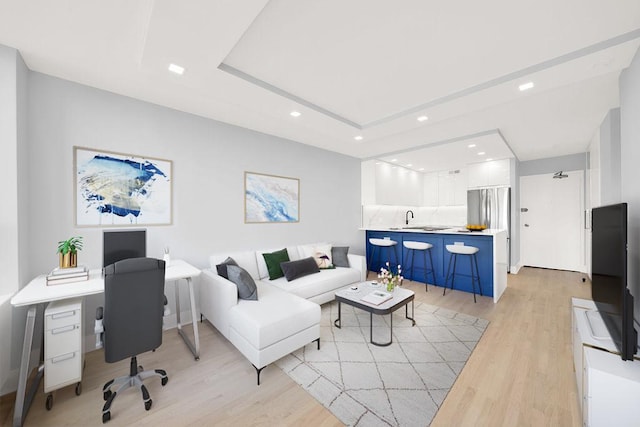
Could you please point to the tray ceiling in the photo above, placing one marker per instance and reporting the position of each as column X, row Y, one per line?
column 357, row 68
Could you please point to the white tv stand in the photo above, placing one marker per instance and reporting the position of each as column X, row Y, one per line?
column 608, row 387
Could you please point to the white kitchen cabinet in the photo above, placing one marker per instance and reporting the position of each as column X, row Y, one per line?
column 396, row 185
column 368, row 182
column 489, row 174
column 452, row 188
column 460, row 188
column 445, row 188
column 431, row 192
column 608, row 387
column 63, row 356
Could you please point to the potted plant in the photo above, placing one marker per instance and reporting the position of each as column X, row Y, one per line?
column 68, row 251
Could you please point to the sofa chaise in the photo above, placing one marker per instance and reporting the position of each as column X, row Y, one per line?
column 286, row 314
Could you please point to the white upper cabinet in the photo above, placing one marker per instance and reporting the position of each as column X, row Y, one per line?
column 396, row 185
column 430, row 196
column 386, row 184
column 452, row 188
column 489, row 174
column 368, row 182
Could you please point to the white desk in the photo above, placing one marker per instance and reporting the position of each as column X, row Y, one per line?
column 37, row 292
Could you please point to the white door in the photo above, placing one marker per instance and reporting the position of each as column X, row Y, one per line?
column 551, row 221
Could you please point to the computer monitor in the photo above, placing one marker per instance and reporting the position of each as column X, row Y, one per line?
column 122, row 244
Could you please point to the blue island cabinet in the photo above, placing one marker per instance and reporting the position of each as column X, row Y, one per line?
column 440, row 258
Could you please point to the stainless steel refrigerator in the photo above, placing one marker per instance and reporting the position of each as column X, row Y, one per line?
column 492, row 207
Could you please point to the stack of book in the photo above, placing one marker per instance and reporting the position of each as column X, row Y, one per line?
column 377, row 297
column 67, row 275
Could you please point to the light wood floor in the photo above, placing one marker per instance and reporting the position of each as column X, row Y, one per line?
column 520, row 374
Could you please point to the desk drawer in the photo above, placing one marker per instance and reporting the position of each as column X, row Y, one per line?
column 62, row 370
column 62, row 340
column 62, row 318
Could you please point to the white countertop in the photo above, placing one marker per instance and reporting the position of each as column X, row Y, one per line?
column 453, row 230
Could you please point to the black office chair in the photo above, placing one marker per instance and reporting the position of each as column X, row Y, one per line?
column 132, row 322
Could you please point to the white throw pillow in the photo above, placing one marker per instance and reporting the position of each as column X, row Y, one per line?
column 322, row 255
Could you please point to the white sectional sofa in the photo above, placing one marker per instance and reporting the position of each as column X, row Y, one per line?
column 286, row 315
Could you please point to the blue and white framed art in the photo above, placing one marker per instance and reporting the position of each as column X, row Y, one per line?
column 271, row 198
column 121, row 189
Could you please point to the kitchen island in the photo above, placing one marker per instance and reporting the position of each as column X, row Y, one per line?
column 492, row 256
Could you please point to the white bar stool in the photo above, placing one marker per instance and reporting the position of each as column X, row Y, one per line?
column 380, row 245
column 464, row 250
column 423, row 247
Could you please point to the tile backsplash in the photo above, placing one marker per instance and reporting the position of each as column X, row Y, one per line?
column 384, row 216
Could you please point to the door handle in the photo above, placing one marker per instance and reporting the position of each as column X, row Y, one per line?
column 526, row 225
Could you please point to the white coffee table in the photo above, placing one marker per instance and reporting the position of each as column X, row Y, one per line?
column 401, row 297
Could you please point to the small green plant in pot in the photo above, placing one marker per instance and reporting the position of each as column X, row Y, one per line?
column 68, row 251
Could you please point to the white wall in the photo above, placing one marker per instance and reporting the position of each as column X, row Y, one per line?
column 594, row 172
column 9, row 171
column 13, row 224
column 630, row 161
column 610, row 169
column 514, row 236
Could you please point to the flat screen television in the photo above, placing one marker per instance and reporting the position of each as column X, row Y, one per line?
column 122, row 244
column 609, row 276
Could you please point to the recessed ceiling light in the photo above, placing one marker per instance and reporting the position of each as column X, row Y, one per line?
column 421, row 169
column 423, row 118
column 481, row 153
column 525, row 86
column 394, row 160
column 176, row 69
column 409, row 165
column 488, row 160
column 471, row 145
column 358, row 138
column 295, row 113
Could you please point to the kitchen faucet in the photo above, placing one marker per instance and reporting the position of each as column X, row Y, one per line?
column 406, row 216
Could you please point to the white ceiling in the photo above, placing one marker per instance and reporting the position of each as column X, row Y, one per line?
column 358, row 67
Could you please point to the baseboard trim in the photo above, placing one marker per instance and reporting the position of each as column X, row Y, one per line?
column 516, row 268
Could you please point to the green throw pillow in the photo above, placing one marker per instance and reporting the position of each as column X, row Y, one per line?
column 273, row 261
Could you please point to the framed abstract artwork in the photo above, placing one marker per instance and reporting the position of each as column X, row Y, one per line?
column 115, row 189
column 270, row 198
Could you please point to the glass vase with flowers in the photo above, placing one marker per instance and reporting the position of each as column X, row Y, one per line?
column 389, row 279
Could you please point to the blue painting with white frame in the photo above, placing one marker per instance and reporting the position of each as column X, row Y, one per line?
column 270, row 198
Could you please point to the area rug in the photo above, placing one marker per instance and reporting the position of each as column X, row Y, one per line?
column 403, row 384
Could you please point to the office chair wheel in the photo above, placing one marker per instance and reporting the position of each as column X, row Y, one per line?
column 147, row 404
column 164, row 380
column 78, row 389
column 49, row 402
column 106, row 416
column 107, row 394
